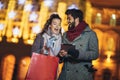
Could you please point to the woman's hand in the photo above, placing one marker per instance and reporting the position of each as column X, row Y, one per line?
column 63, row 53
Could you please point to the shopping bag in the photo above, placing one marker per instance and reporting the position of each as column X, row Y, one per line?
column 42, row 67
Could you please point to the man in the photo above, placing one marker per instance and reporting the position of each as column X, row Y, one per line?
column 78, row 58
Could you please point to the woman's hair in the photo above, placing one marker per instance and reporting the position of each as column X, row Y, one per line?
column 49, row 21
column 75, row 13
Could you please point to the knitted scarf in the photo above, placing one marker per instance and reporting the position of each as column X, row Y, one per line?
column 76, row 31
column 54, row 45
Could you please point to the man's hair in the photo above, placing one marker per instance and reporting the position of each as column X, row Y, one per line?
column 75, row 13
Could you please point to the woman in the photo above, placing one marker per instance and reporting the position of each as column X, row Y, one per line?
column 49, row 40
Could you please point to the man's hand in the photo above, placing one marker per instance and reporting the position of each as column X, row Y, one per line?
column 63, row 53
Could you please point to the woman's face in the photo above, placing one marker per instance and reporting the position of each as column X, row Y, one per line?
column 55, row 26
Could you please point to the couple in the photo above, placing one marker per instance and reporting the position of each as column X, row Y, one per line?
column 78, row 58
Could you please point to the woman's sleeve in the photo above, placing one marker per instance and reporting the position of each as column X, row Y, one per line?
column 37, row 44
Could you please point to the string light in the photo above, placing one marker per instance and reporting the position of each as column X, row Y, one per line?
column 48, row 3
column 36, row 29
column 1, row 26
column 28, row 7
column 1, row 5
column 11, row 14
column 73, row 6
column 16, row 31
column 21, row 2
column 33, row 17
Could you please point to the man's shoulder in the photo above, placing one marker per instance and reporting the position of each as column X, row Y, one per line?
column 64, row 33
column 87, row 28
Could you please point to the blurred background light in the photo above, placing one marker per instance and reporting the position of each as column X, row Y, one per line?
column 11, row 14
column 1, row 5
column 21, row 2
column 48, row 3
column 73, row 6
column 36, row 29
column 28, row 7
column 1, row 26
column 16, row 31
column 33, row 17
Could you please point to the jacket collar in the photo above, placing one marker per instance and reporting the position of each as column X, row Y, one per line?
column 87, row 28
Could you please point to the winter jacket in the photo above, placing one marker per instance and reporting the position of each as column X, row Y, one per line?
column 80, row 67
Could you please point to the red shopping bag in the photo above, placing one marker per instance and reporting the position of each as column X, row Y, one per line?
column 42, row 67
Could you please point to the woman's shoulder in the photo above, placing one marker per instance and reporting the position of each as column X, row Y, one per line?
column 39, row 35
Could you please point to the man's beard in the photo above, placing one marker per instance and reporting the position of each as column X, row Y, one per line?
column 71, row 26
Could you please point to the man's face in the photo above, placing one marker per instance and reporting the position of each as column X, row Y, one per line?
column 71, row 21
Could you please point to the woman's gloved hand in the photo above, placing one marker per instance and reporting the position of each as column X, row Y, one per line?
column 50, row 42
column 73, row 52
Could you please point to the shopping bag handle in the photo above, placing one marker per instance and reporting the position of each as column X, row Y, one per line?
column 45, row 48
